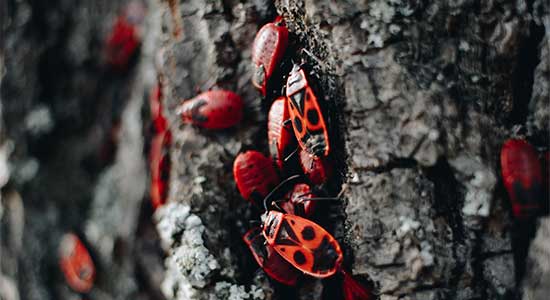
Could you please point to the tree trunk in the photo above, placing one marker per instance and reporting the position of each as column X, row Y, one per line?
column 419, row 95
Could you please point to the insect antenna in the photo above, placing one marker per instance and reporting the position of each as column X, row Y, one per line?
column 291, row 154
column 277, row 188
column 317, row 59
column 254, row 222
column 338, row 197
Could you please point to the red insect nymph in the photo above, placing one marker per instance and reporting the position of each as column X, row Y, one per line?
column 267, row 50
column 269, row 260
column 160, row 168
column 218, row 109
column 122, row 43
column 522, row 176
column 316, row 169
column 255, row 175
column 298, row 203
column 307, row 119
column 155, row 102
column 76, row 263
column 279, row 135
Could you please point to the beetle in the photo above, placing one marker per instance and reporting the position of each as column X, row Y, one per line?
column 269, row 260
column 316, row 169
column 305, row 113
column 279, row 134
column 522, row 176
column 160, row 168
column 155, row 103
column 254, row 175
column 76, row 263
column 297, row 203
column 217, row 109
column 267, row 51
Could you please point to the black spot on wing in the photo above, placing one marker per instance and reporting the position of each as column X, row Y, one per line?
column 308, row 233
column 313, row 116
column 299, row 257
column 324, row 257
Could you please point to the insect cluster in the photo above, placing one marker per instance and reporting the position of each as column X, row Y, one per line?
column 289, row 244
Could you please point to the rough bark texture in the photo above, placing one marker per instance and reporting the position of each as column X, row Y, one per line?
column 419, row 94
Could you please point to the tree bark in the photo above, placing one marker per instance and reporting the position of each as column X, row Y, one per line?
column 419, row 95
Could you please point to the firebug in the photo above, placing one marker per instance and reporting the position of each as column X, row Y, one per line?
column 269, row 260
column 160, row 168
column 155, row 103
column 267, row 51
column 297, row 202
column 255, row 175
column 316, row 169
column 522, row 176
column 76, row 263
column 305, row 113
column 217, row 109
column 279, row 134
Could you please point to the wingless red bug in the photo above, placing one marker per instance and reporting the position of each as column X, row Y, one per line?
column 307, row 119
column 217, row 109
column 269, row 260
column 316, row 169
column 160, row 168
column 267, row 50
column 155, row 103
column 76, row 263
column 255, row 175
column 125, row 38
column 297, row 203
column 280, row 135
column 522, row 176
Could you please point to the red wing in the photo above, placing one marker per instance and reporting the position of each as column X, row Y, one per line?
column 315, row 124
column 308, row 247
column 297, row 118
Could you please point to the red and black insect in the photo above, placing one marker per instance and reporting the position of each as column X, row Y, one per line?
column 124, row 40
column 76, row 263
column 303, row 243
column 310, row 249
column 155, row 102
column 307, row 119
column 269, row 260
column 217, row 109
column 300, row 201
column 160, row 168
column 267, row 51
column 279, row 133
column 255, row 175
column 522, row 176
column 316, row 169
